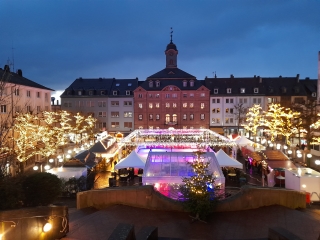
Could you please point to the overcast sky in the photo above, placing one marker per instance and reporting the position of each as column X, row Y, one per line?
column 56, row 41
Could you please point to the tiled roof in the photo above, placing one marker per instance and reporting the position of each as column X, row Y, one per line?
column 171, row 73
column 96, row 85
column 122, row 86
column 290, row 86
column 175, row 82
column 18, row 79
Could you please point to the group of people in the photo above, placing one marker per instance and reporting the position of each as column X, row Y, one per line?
column 256, row 167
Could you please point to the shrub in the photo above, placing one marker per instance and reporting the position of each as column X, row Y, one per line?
column 11, row 193
column 74, row 185
column 41, row 189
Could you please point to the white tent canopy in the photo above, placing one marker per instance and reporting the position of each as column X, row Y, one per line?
column 131, row 161
column 243, row 141
column 225, row 161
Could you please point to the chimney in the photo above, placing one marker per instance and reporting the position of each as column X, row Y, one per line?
column 19, row 72
column 231, row 76
column 57, row 102
column 52, row 100
column 298, row 76
column 6, row 68
column 260, row 79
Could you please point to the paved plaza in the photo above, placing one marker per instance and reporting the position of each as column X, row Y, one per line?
column 248, row 224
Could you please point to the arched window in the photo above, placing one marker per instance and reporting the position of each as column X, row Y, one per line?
column 174, row 118
column 167, row 118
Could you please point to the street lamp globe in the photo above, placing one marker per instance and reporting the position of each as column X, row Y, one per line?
column 35, row 168
column 317, row 162
column 285, row 147
column 299, row 155
column 51, row 160
column 309, row 155
column 46, row 167
column 289, row 151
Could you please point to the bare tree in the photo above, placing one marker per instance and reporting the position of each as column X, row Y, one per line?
column 7, row 109
column 240, row 114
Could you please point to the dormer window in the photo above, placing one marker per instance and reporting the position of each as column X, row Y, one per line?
column 129, row 84
column 215, row 91
column 242, row 90
column 151, row 84
column 157, row 83
column 128, row 92
column 115, row 93
column 256, row 90
column 270, row 89
column 184, row 83
column 314, row 94
column 90, row 93
column 102, row 92
column 296, row 89
column 191, row 83
column 79, row 92
column 117, row 84
column 284, row 90
column 228, row 90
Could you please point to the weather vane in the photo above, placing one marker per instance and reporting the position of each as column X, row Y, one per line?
column 171, row 35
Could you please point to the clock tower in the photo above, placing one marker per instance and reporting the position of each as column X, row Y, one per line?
column 171, row 54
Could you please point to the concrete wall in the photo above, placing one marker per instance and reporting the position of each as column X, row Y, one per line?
column 27, row 223
column 147, row 197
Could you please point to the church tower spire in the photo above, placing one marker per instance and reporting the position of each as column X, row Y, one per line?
column 171, row 53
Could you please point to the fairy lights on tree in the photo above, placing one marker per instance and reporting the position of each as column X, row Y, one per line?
column 273, row 119
column 254, row 119
column 26, row 139
column 198, row 190
column 287, row 123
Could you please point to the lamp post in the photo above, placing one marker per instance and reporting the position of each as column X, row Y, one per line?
column 309, row 156
column 317, row 162
column 289, row 153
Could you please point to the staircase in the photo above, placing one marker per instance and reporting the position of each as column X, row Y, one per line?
column 275, row 155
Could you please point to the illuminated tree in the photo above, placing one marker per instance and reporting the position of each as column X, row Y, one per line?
column 60, row 122
column 47, row 135
column 90, row 126
column 316, row 125
column 26, row 138
column 254, row 119
column 287, row 123
column 273, row 119
column 198, row 190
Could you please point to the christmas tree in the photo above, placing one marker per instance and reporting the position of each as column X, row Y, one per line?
column 199, row 190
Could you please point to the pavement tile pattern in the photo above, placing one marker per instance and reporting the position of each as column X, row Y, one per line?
column 248, row 224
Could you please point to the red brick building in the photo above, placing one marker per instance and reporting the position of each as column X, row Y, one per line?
column 171, row 98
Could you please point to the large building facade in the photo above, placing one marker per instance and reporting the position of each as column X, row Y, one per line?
column 173, row 98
